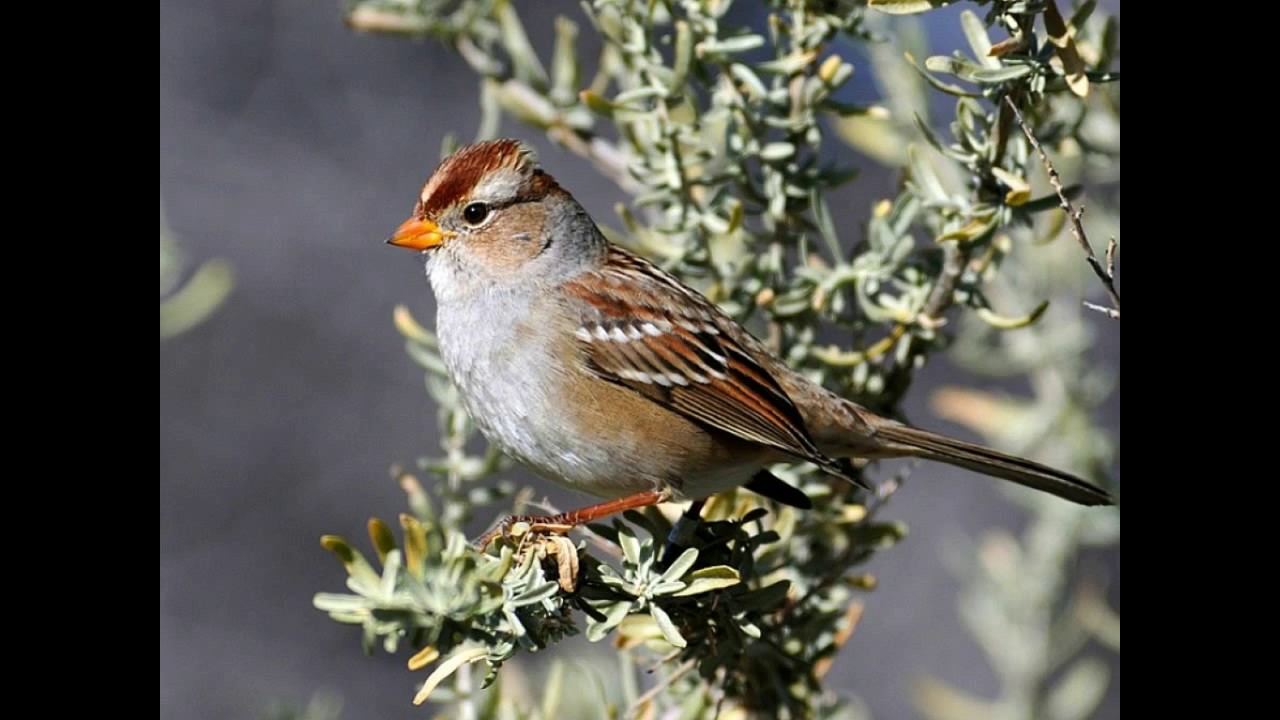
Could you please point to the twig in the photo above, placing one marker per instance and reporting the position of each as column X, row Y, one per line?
column 662, row 684
column 1105, row 274
column 606, row 156
column 957, row 255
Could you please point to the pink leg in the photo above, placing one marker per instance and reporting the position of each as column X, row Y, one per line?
column 566, row 521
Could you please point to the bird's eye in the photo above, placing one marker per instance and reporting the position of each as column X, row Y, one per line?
column 475, row 213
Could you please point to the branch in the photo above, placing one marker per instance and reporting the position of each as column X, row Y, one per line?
column 1106, row 274
column 606, row 156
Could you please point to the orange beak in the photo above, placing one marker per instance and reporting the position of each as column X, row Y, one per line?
column 417, row 234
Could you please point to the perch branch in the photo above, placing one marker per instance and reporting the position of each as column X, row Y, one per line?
column 1105, row 274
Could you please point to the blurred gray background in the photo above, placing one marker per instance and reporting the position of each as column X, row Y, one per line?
column 292, row 146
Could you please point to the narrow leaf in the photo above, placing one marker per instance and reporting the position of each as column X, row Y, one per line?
column 1080, row 691
column 383, row 541
column 1002, row 322
column 906, row 7
column 447, row 668
column 668, row 628
column 681, row 565
column 976, row 33
column 357, row 567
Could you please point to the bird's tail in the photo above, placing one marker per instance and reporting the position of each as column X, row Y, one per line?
column 906, row 440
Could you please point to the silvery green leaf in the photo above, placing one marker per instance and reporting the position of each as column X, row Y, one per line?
column 788, row 64
column 702, row 585
column 728, row 46
column 976, row 33
column 630, row 545
column 383, row 540
column 596, row 631
column 708, row 579
column 653, row 197
column 1051, row 201
column 527, row 104
column 1019, row 189
column 597, row 104
column 517, row 627
column 786, row 122
column 647, row 557
column 842, row 74
column 666, row 587
column 611, row 578
column 906, row 7
column 448, row 667
column 791, row 304
column 390, row 572
column 349, row 618
column 936, row 143
column 947, row 88
column 362, row 578
column 338, row 603
column 926, row 180
column 635, row 95
column 826, row 226
column 683, row 58
column 426, row 359
column 681, row 565
column 1080, row 691
column 747, row 77
column 564, row 64
column 482, row 62
column 777, row 151
column 524, row 59
column 962, row 69
column 714, row 224
column 1002, row 74
column 904, row 214
column 490, row 112
column 668, row 628
column 535, row 594
column 1003, row 322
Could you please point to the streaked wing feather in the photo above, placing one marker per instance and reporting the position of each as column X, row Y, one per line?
column 676, row 348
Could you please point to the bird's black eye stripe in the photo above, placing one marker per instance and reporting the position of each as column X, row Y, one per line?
column 475, row 213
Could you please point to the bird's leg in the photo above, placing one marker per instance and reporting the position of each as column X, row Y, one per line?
column 682, row 532
column 564, row 522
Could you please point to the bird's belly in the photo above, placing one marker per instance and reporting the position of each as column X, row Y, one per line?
column 534, row 437
column 638, row 445
column 523, row 414
column 587, row 434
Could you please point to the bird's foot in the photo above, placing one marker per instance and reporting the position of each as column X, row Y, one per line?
column 521, row 525
column 564, row 522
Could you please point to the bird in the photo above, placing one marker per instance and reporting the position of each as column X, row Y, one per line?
column 603, row 373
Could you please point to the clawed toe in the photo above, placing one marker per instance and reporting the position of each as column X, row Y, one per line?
column 520, row 525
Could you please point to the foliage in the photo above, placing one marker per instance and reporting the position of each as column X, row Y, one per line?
column 185, row 304
column 716, row 132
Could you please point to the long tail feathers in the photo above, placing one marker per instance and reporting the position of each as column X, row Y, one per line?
column 922, row 443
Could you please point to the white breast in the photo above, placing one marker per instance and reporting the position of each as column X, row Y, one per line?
column 508, row 377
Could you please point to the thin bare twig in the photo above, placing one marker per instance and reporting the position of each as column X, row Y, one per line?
column 662, row 684
column 1105, row 274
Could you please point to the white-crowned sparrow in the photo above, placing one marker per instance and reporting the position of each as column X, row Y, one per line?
column 605, row 374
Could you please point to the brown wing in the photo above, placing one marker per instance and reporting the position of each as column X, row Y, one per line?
column 673, row 346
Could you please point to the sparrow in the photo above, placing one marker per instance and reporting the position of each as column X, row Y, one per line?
column 605, row 374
